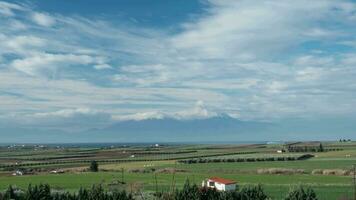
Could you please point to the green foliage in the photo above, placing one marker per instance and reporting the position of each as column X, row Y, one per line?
column 188, row 192
column 253, row 193
column 94, row 167
column 302, row 194
column 43, row 192
column 321, row 148
column 193, row 192
column 10, row 193
column 246, row 159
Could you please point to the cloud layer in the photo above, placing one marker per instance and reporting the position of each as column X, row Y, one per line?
column 268, row 61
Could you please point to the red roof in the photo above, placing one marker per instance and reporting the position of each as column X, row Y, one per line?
column 222, row 180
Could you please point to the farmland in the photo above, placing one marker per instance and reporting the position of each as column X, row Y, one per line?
column 147, row 167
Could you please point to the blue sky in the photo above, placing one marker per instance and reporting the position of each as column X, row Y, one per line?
column 72, row 65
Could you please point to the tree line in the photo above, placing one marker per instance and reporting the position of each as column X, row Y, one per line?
column 300, row 148
column 252, row 159
column 188, row 192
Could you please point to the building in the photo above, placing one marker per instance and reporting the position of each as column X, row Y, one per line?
column 281, row 151
column 220, row 184
column 17, row 173
column 56, row 172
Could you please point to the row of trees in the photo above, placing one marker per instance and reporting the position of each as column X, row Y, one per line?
column 311, row 148
column 189, row 192
column 252, row 159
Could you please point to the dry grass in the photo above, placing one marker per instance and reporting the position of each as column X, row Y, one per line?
column 337, row 172
column 283, row 171
column 170, row 170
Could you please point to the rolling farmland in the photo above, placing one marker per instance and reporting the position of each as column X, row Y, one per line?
column 137, row 166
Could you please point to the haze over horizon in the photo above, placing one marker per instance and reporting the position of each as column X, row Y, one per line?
column 200, row 70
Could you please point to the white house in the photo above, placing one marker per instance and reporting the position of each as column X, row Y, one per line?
column 56, row 172
column 220, row 184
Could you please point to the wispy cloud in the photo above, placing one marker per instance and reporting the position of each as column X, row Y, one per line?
column 8, row 9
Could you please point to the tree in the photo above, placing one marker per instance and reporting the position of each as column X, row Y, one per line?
column 321, row 148
column 94, row 167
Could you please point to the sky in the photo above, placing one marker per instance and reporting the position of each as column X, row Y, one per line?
column 88, row 64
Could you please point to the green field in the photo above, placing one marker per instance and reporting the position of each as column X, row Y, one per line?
column 161, row 162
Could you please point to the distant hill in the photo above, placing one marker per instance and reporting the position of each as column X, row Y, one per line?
column 170, row 129
column 221, row 128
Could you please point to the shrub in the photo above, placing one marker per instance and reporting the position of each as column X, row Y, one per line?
column 9, row 194
column 301, row 194
column 189, row 192
column 255, row 193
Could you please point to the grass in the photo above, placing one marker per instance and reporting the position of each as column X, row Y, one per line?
column 137, row 165
column 274, row 185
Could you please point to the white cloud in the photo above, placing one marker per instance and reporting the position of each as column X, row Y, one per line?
column 43, row 19
column 236, row 27
column 66, row 113
column 349, row 59
column 276, row 87
column 74, row 119
column 140, row 116
column 198, row 112
column 21, row 44
column 102, row 66
column 33, row 64
column 310, row 60
column 309, row 73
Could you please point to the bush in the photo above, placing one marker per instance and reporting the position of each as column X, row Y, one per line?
column 302, row 194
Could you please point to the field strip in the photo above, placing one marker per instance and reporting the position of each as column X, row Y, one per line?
column 120, row 160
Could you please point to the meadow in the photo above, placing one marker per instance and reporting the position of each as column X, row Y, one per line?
column 156, row 167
